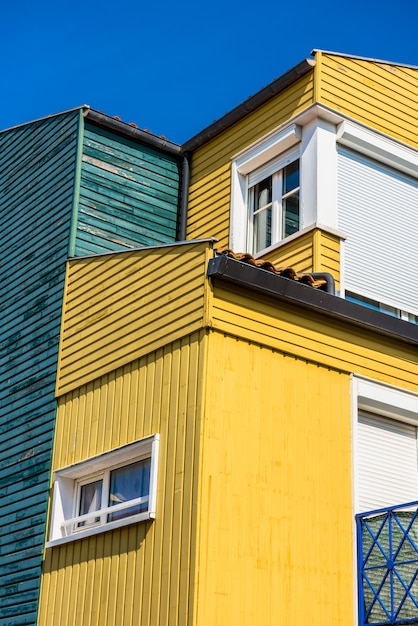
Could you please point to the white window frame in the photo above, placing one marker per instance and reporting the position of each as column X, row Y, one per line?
column 67, row 488
column 380, row 399
column 274, row 169
column 384, row 400
column 264, row 158
column 311, row 138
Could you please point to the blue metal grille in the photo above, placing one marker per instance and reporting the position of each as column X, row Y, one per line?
column 387, row 542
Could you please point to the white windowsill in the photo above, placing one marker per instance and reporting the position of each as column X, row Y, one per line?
column 96, row 530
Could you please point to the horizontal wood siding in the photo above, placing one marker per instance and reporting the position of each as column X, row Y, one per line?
column 314, row 251
column 298, row 253
column 329, row 254
column 143, row 573
column 37, row 164
column 384, row 96
column 315, row 338
column 210, row 185
column 275, row 510
column 122, row 305
column 129, row 194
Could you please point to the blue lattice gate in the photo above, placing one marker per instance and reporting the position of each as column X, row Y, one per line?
column 388, row 565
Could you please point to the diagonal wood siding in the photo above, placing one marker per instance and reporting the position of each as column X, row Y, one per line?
column 37, row 164
column 128, row 196
column 143, row 573
column 210, row 186
column 384, row 96
column 120, row 306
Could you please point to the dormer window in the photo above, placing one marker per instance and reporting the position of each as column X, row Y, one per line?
column 273, row 206
column 265, row 191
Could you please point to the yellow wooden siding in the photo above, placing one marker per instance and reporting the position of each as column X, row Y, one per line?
column 297, row 253
column 118, row 307
column 330, row 259
column 210, row 185
column 381, row 95
column 314, row 251
column 143, row 573
column 314, row 337
column 275, row 513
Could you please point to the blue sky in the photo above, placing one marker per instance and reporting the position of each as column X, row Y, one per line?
column 175, row 67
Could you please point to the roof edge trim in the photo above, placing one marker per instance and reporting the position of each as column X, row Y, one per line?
column 360, row 58
column 122, row 128
column 170, row 244
column 297, row 294
column 251, row 104
column 46, row 117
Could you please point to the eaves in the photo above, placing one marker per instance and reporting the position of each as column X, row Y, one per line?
column 293, row 292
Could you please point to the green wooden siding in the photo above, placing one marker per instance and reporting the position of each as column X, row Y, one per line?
column 128, row 197
column 36, row 187
column 106, row 193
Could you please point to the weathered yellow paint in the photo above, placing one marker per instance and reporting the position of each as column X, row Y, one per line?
column 144, row 573
column 276, row 494
column 210, row 185
column 381, row 95
column 120, row 306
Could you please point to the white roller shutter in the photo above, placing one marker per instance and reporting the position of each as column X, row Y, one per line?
column 387, row 469
column 378, row 211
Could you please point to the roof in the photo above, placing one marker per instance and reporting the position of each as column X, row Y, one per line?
column 116, row 125
column 251, row 104
column 360, row 58
column 268, row 92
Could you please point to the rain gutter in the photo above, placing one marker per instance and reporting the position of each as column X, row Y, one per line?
column 249, row 105
column 132, row 132
column 293, row 292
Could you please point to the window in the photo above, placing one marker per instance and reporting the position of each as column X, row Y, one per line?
column 274, row 206
column 385, row 421
column 385, row 428
column 105, row 492
column 379, row 306
column 265, row 191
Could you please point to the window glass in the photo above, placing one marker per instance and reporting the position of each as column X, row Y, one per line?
column 290, row 201
column 291, row 177
column 128, row 483
column 274, row 207
column 90, row 500
column 291, row 214
column 262, row 210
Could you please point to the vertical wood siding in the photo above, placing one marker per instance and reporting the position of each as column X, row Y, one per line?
column 120, row 306
column 129, row 194
column 381, row 95
column 36, row 182
column 315, row 338
column 276, row 507
column 329, row 255
column 143, row 573
column 210, row 185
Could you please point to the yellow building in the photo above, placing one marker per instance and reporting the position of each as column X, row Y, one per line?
column 220, row 426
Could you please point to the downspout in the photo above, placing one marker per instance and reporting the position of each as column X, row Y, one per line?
column 329, row 278
column 184, row 201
